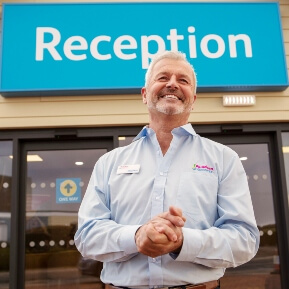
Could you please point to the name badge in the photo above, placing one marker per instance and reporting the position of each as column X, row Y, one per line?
column 128, row 169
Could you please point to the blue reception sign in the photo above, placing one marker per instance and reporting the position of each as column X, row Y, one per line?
column 85, row 48
column 68, row 190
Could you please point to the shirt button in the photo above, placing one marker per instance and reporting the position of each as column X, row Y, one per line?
column 154, row 260
column 161, row 173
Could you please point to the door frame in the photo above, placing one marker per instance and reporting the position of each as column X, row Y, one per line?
column 280, row 196
column 18, row 210
column 272, row 131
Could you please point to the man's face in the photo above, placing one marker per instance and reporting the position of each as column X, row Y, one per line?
column 171, row 88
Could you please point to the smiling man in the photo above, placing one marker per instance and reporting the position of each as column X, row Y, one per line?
column 169, row 88
column 172, row 209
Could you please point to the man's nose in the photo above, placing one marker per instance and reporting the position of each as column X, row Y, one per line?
column 172, row 82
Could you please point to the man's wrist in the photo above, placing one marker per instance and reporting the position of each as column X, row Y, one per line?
column 175, row 253
column 178, row 250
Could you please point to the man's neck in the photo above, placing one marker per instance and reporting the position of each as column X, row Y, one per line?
column 163, row 128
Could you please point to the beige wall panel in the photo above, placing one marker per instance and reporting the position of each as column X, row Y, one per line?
column 286, row 45
column 18, row 99
column 285, row 22
column 78, row 121
column 127, row 107
column 132, row 112
column 265, row 104
column 118, row 120
column 284, row 9
column 286, row 35
column 238, row 117
column 71, row 108
column 93, row 98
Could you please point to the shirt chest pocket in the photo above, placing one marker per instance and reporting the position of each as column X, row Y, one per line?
column 197, row 196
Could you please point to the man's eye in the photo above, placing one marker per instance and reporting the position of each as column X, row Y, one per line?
column 183, row 81
column 163, row 78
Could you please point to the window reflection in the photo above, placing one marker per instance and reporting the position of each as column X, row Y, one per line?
column 51, row 257
column 125, row 140
column 263, row 271
column 54, row 181
column 5, row 210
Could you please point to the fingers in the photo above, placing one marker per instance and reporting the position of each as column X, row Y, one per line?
column 168, row 223
column 152, row 243
column 174, row 216
column 175, row 211
column 167, row 231
column 156, row 234
column 162, row 234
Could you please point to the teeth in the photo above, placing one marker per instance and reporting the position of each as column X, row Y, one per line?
column 170, row 96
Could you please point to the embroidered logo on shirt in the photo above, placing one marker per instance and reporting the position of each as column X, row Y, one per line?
column 205, row 168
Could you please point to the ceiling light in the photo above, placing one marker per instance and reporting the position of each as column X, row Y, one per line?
column 79, row 163
column 239, row 100
column 121, row 138
column 285, row 150
column 243, row 158
column 32, row 158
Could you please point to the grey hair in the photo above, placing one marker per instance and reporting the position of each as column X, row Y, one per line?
column 176, row 55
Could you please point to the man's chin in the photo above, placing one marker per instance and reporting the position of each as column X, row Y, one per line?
column 169, row 110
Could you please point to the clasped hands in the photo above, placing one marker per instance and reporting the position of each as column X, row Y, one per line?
column 162, row 234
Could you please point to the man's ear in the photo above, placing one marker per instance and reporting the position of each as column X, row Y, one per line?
column 144, row 95
column 195, row 97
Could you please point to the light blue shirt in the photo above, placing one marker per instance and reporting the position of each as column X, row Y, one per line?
column 205, row 179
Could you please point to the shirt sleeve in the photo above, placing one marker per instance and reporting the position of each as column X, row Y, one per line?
column 234, row 238
column 98, row 236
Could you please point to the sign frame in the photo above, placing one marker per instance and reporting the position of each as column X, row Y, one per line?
column 20, row 76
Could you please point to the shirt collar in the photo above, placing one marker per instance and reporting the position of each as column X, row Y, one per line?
column 182, row 130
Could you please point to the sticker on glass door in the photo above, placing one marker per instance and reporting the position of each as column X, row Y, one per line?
column 68, row 190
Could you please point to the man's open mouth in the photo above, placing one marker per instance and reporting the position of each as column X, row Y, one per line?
column 171, row 96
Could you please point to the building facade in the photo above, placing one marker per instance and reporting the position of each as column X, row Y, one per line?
column 50, row 143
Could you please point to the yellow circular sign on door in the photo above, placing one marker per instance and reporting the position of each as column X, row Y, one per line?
column 68, row 188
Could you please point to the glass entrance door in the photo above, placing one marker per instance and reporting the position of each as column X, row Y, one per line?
column 56, row 174
column 56, row 179
column 263, row 271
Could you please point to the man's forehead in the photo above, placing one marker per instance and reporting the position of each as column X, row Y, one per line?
column 172, row 66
